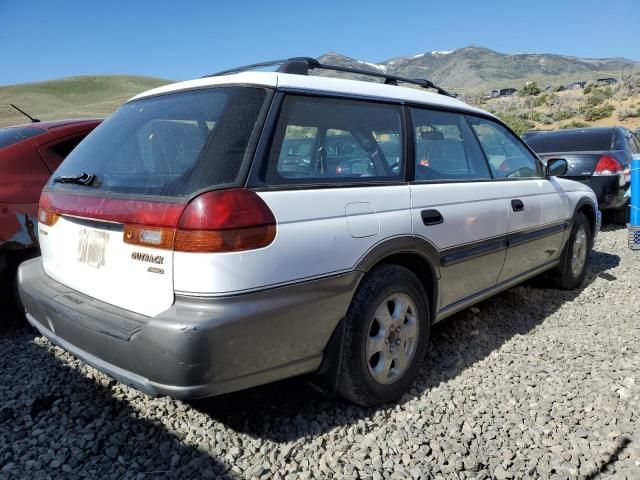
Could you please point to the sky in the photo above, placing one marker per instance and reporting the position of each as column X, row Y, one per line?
column 177, row 40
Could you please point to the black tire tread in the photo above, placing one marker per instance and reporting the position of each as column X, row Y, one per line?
column 350, row 381
column 562, row 276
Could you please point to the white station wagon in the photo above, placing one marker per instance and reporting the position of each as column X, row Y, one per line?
column 226, row 232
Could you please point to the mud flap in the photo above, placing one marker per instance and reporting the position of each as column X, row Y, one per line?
column 325, row 380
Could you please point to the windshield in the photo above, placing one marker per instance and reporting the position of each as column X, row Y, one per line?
column 575, row 141
column 170, row 145
column 11, row 135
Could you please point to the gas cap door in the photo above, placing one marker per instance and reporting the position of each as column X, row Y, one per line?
column 362, row 219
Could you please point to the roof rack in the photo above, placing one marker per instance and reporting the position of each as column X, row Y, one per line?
column 302, row 65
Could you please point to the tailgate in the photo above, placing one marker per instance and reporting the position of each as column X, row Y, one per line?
column 92, row 258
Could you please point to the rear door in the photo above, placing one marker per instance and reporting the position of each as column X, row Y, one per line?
column 537, row 206
column 455, row 205
column 334, row 198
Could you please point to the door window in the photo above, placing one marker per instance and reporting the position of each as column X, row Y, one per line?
column 507, row 155
column 444, row 147
column 322, row 140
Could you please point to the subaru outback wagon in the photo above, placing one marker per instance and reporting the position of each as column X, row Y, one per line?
column 225, row 232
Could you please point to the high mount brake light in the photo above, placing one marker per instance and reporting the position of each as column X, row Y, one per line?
column 218, row 221
column 607, row 165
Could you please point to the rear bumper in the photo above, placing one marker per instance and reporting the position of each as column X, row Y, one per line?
column 608, row 190
column 200, row 346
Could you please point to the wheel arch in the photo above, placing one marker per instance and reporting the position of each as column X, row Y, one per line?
column 586, row 206
column 416, row 255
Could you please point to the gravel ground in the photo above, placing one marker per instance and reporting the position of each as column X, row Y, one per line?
column 534, row 383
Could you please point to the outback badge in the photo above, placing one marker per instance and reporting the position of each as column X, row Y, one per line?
column 145, row 257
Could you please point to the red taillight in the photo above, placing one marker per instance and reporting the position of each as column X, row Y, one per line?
column 45, row 215
column 607, row 165
column 219, row 221
column 225, row 221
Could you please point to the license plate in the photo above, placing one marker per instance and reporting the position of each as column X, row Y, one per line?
column 91, row 247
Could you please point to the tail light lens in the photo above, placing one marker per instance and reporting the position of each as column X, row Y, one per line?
column 607, row 165
column 218, row 221
column 45, row 215
column 225, row 221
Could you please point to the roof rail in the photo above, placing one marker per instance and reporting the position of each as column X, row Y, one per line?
column 302, row 65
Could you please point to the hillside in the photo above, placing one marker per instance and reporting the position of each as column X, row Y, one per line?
column 74, row 97
column 476, row 68
column 593, row 106
column 469, row 71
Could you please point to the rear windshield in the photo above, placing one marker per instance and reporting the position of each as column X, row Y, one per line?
column 576, row 141
column 11, row 135
column 170, row 145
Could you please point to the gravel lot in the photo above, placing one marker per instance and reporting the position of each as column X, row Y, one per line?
column 534, row 383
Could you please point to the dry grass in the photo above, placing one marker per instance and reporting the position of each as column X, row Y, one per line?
column 75, row 97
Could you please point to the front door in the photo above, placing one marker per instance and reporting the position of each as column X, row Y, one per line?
column 537, row 206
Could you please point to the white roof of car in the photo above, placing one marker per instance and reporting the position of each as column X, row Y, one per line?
column 320, row 84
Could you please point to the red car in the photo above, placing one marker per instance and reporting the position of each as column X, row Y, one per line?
column 28, row 156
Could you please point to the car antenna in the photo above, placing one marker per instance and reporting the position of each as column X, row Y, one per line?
column 33, row 120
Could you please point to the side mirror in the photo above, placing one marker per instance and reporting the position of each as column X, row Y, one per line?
column 556, row 167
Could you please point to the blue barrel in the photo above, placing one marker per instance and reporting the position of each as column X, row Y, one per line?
column 635, row 193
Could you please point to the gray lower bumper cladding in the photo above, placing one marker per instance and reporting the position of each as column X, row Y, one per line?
column 200, row 346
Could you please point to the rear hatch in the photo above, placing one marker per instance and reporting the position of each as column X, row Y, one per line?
column 110, row 213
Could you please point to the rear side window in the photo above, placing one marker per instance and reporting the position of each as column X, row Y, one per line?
column 53, row 155
column 445, row 149
column 64, row 148
column 508, row 157
column 170, row 145
column 572, row 141
column 11, row 135
column 322, row 140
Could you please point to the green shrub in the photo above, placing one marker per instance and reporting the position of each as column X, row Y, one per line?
column 530, row 89
column 575, row 124
column 550, row 99
column 518, row 124
column 533, row 102
column 625, row 113
column 596, row 113
column 597, row 96
column 560, row 115
column 587, row 90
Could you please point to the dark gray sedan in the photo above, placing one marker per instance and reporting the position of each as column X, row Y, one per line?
column 599, row 157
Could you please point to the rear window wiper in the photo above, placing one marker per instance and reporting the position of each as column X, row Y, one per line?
column 83, row 179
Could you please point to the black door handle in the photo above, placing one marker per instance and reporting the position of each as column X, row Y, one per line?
column 517, row 205
column 431, row 217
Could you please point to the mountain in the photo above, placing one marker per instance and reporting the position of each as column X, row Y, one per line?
column 74, row 97
column 478, row 67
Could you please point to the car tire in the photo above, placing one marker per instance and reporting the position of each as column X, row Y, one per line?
column 10, row 302
column 386, row 336
column 571, row 272
column 619, row 216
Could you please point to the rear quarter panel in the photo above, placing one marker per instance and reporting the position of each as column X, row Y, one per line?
column 314, row 239
column 22, row 177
